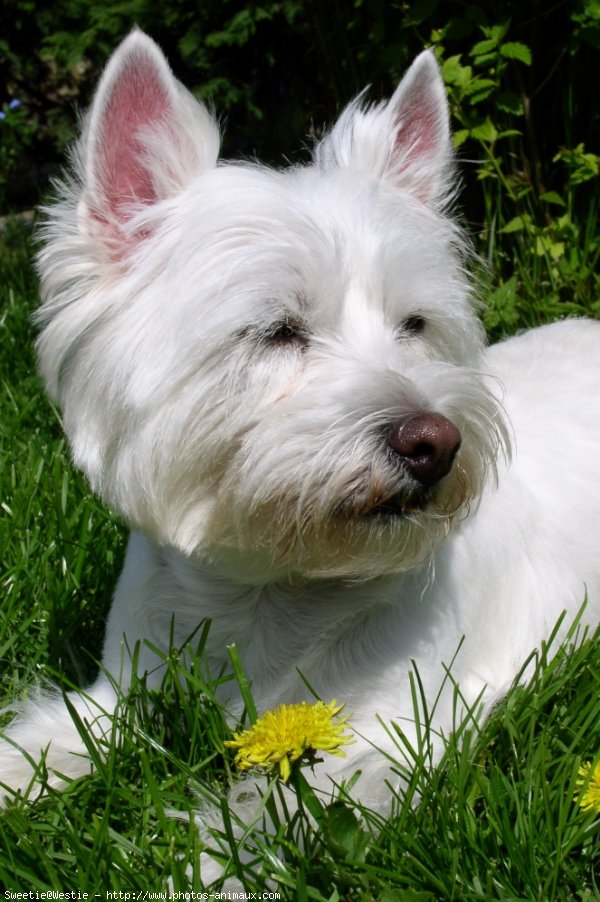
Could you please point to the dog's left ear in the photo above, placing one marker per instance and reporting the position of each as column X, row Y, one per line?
column 405, row 141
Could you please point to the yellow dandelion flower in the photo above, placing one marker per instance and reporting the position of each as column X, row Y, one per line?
column 289, row 733
column 587, row 792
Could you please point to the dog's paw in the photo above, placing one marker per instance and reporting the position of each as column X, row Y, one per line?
column 44, row 745
column 32, row 758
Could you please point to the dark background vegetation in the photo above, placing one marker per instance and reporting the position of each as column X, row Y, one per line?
column 277, row 70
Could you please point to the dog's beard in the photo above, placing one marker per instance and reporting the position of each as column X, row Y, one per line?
column 346, row 508
column 291, row 540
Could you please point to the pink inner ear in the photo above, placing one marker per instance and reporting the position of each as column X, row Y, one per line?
column 138, row 100
column 421, row 147
column 419, row 129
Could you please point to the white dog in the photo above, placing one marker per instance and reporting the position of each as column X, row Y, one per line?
column 278, row 379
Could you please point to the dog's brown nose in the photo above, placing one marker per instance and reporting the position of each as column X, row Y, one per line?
column 427, row 444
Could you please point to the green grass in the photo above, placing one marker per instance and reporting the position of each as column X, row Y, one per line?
column 496, row 818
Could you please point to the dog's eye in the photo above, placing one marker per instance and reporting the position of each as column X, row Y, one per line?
column 286, row 333
column 413, row 325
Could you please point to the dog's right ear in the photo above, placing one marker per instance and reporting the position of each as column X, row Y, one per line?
column 404, row 142
column 145, row 139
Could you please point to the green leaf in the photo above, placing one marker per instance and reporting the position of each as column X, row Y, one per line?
column 496, row 32
column 460, row 136
column 343, row 833
column 483, row 47
column 454, row 73
column 584, row 166
column 551, row 197
column 516, row 225
column 513, row 50
column 486, row 131
column 509, row 102
column 510, row 133
column 544, row 244
column 480, row 89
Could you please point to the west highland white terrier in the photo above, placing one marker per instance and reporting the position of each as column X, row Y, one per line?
column 278, row 379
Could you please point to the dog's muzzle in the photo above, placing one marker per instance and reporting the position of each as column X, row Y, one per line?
column 424, row 446
column 421, row 449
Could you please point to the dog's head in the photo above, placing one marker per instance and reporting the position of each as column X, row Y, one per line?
column 279, row 368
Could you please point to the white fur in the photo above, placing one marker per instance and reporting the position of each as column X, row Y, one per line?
column 249, row 468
